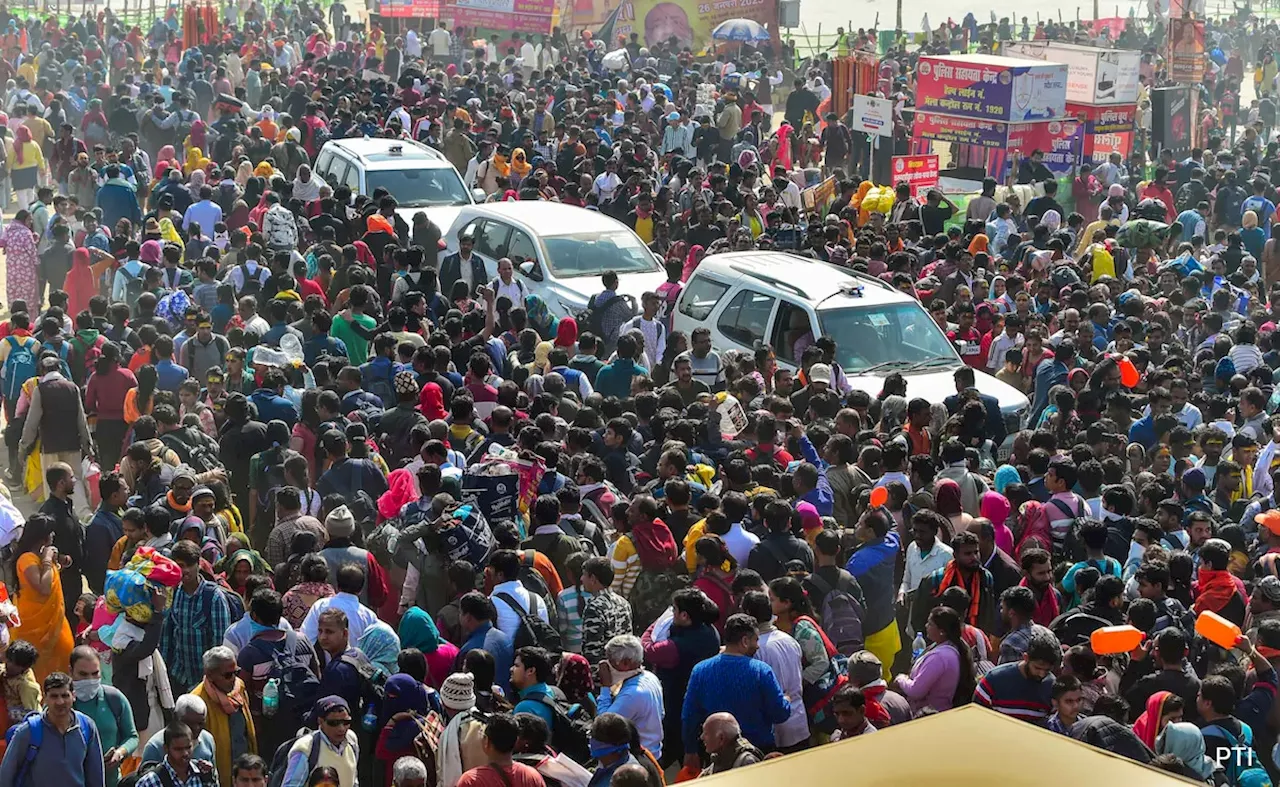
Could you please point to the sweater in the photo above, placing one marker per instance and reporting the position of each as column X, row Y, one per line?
column 1007, row 690
column 63, row 758
column 740, row 685
column 933, row 679
column 113, row 717
column 104, row 396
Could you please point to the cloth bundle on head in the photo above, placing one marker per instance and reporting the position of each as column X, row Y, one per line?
column 458, row 692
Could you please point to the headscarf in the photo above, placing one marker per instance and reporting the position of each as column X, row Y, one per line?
column 691, row 261
column 947, row 498
column 150, row 252
column 431, row 402
column 1005, row 475
column 403, row 694
column 519, row 164
column 195, row 161
column 1051, row 219
column 169, row 233
column 566, row 333
column 1148, row 724
column 198, row 135
column 23, row 135
column 381, row 645
column 978, row 244
column 575, row 677
column 1184, row 740
column 167, row 153
column 996, row 507
column 1034, row 526
column 264, row 170
column 1248, row 221
column 400, row 490
column 243, row 173
column 378, row 223
column 418, row 630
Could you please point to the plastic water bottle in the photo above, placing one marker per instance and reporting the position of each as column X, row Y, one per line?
column 271, row 697
column 370, row 720
column 917, row 647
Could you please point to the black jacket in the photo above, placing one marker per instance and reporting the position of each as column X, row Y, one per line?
column 451, row 271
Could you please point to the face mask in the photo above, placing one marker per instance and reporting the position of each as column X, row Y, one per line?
column 86, row 689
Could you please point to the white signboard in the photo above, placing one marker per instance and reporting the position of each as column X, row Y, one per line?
column 872, row 115
column 1094, row 76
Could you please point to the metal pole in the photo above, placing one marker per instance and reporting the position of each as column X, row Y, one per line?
column 898, row 22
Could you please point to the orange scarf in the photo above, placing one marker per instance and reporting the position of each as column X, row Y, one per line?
column 182, row 508
column 229, row 703
column 951, row 577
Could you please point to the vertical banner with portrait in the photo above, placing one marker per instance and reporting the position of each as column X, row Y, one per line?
column 1171, row 119
column 1186, row 50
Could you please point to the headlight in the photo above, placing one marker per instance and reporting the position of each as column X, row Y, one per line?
column 1016, row 420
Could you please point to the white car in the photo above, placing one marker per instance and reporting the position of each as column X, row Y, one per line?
column 559, row 251
column 418, row 176
column 750, row 298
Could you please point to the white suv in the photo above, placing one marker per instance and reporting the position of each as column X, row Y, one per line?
column 418, row 176
column 749, row 298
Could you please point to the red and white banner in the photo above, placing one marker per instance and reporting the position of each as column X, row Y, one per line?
column 918, row 172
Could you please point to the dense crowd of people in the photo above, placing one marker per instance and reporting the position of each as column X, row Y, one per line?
column 323, row 503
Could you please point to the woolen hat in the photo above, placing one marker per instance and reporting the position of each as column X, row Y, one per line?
column 458, row 692
column 340, row 522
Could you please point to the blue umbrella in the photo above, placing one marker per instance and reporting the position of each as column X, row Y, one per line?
column 741, row 30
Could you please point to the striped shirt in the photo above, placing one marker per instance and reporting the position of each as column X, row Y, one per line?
column 569, row 605
column 626, row 566
column 195, row 623
column 1006, row 690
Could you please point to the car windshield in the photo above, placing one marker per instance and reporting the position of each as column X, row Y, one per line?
column 420, row 188
column 896, row 337
column 593, row 253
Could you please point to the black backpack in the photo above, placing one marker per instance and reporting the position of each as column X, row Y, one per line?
column 194, row 449
column 529, row 576
column 203, row 770
column 280, row 759
column 570, row 727
column 299, row 686
column 133, row 284
column 533, row 630
column 373, row 683
column 252, row 281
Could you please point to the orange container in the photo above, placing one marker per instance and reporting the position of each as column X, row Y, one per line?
column 1110, row 640
column 1217, row 629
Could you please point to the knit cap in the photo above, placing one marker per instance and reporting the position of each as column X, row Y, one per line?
column 406, row 382
column 458, row 692
column 340, row 523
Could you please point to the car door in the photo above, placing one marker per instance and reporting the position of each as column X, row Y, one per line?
column 521, row 247
column 492, row 242
column 744, row 321
column 791, row 333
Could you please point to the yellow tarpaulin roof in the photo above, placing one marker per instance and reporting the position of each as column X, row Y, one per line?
column 966, row 747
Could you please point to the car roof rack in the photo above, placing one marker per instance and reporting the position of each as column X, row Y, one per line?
column 772, row 280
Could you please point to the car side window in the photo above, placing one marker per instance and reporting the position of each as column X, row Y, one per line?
column 521, row 248
column 700, row 297
column 492, row 240
column 351, row 177
column 323, row 163
column 746, row 317
column 792, row 332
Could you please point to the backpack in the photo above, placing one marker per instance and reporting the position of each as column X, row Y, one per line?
column 20, row 366
column 201, row 454
column 89, row 353
column 35, row 725
column 570, row 727
column 427, row 742
column 252, row 281
column 203, row 771
column 841, row 616
column 361, row 504
column 1242, row 770
column 529, row 576
column 381, row 387
column 235, row 604
column 280, row 760
column 299, row 686
column 373, row 682
column 280, row 229
column 606, row 319
column 533, row 630
column 133, row 284
column 756, row 458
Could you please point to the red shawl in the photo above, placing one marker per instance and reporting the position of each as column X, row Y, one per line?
column 1147, row 727
column 876, row 714
column 80, row 286
column 1046, row 608
column 654, row 544
column 1214, row 590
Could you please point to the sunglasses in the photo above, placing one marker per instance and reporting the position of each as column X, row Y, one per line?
column 228, row 675
column 337, row 722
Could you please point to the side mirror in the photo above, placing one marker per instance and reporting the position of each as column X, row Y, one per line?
column 530, row 268
column 478, row 195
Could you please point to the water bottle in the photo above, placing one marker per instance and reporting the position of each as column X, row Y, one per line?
column 271, row 697
column 917, row 647
column 370, row 720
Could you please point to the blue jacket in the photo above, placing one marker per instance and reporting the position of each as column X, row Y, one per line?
column 872, row 565
column 322, row 344
column 1049, row 373
column 170, row 375
column 118, row 200
column 1143, row 431
column 493, row 641
column 271, row 406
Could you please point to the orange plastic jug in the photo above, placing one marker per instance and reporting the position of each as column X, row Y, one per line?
column 1115, row 639
column 1217, row 629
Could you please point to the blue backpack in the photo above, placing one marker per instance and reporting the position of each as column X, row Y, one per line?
column 35, row 725
column 1244, row 766
column 20, row 366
